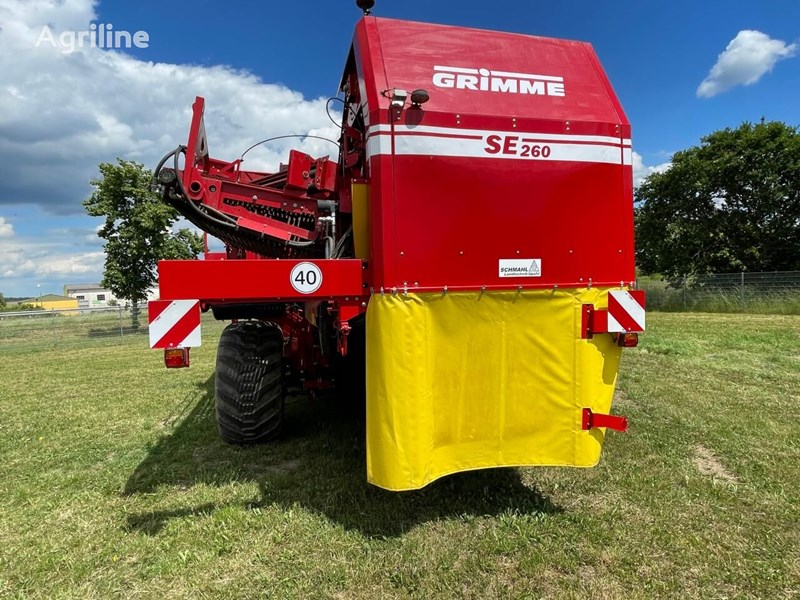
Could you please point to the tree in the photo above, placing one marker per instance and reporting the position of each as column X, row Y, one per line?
column 137, row 231
column 2, row 301
column 730, row 204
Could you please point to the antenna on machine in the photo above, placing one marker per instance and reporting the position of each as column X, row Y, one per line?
column 365, row 5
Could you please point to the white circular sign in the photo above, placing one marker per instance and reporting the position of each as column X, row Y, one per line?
column 306, row 277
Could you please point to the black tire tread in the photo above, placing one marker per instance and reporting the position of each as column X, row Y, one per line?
column 248, row 387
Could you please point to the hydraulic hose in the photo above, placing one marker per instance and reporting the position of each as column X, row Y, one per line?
column 160, row 166
column 228, row 222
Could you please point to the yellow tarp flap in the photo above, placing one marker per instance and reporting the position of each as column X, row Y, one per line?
column 463, row 381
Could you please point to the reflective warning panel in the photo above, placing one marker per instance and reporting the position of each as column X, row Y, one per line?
column 626, row 311
column 174, row 323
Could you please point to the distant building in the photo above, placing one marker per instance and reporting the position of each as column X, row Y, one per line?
column 92, row 295
column 89, row 295
column 52, row 302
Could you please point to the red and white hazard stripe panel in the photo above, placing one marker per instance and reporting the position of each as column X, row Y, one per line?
column 626, row 311
column 174, row 323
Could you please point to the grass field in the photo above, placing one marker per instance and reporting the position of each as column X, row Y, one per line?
column 113, row 485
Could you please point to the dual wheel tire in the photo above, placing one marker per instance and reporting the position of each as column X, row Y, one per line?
column 249, row 390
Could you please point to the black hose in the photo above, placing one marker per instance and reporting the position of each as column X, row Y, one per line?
column 339, row 248
column 328, row 110
column 230, row 223
column 160, row 166
column 301, row 244
column 294, row 135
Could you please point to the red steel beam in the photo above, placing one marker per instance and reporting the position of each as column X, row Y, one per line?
column 256, row 280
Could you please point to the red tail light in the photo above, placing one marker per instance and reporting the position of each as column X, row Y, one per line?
column 176, row 358
column 628, row 340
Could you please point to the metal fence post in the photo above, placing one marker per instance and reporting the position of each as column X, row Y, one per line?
column 742, row 292
column 684, row 293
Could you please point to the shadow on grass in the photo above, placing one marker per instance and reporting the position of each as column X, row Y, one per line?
column 318, row 463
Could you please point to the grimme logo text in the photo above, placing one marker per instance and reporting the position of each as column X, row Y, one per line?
column 484, row 80
column 102, row 35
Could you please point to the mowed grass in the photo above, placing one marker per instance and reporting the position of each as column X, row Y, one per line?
column 113, row 484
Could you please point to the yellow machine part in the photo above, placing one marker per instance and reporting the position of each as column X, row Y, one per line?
column 361, row 218
column 471, row 380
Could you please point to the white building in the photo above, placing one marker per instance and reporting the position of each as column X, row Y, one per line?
column 91, row 295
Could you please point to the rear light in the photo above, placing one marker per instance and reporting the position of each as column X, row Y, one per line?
column 176, row 358
column 628, row 340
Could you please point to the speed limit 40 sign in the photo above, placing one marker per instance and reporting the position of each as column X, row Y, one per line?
column 306, row 277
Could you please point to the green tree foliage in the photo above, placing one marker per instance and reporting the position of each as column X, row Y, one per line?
column 730, row 204
column 137, row 230
column 2, row 301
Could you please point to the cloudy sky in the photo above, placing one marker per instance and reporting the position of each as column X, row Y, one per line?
column 682, row 69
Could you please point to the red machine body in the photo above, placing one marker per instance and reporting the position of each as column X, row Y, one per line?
column 522, row 151
column 469, row 160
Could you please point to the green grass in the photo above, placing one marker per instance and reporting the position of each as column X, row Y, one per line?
column 113, row 484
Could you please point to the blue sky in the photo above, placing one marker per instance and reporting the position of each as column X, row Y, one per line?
column 681, row 69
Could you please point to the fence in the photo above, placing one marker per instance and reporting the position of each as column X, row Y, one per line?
column 777, row 292
column 38, row 329
column 774, row 292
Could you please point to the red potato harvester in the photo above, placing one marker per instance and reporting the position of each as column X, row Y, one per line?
column 471, row 247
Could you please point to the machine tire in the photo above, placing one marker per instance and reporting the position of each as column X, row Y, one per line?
column 248, row 386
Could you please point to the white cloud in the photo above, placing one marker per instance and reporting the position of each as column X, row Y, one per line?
column 641, row 170
column 747, row 58
column 61, row 114
column 52, row 259
column 30, row 259
column 6, row 228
